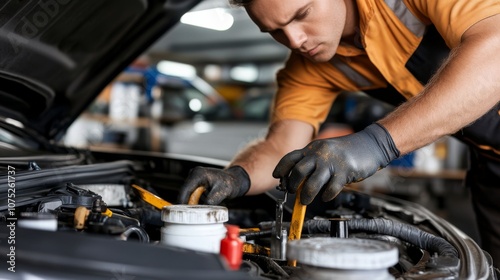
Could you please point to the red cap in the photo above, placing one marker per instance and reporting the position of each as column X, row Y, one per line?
column 232, row 229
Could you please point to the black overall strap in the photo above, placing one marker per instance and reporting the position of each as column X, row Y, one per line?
column 423, row 64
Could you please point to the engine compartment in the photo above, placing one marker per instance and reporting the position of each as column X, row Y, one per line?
column 97, row 196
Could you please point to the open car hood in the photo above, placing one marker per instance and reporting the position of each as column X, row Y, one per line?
column 57, row 55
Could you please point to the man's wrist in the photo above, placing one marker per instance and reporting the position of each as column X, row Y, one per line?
column 384, row 140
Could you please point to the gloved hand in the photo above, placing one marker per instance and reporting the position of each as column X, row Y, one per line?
column 219, row 183
column 335, row 162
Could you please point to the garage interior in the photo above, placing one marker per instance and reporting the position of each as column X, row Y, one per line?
column 120, row 121
column 238, row 65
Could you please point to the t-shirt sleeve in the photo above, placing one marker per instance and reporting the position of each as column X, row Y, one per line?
column 303, row 93
column 453, row 17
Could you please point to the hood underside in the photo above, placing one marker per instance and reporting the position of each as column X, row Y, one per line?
column 57, row 55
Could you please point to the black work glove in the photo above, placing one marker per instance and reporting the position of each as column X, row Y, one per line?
column 219, row 183
column 335, row 162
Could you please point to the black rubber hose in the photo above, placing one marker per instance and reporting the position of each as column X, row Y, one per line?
column 405, row 232
column 46, row 178
column 139, row 232
column 257, row 234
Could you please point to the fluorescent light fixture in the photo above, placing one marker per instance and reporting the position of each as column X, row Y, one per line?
column 176, row 69
column 246, row 73
column 217, row 19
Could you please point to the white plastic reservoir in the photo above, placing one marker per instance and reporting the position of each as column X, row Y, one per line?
column 343, row 258
column 196, row 227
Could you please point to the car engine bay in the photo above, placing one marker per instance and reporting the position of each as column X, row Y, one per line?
column 112, row 204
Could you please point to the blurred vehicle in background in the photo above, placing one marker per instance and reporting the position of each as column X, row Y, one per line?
column 223, row 137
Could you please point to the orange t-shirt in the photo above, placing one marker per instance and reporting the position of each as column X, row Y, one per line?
column 389, row 33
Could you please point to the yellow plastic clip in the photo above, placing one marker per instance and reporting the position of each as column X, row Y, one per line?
column 81, row 215
column 108, row 213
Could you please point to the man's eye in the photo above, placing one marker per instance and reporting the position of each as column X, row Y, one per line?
column 303, row 14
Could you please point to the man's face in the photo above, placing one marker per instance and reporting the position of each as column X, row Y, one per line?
column 312, row 28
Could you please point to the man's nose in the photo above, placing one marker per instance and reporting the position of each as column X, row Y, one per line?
column 295, row 36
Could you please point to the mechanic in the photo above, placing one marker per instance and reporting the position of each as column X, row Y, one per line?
column 438, row 60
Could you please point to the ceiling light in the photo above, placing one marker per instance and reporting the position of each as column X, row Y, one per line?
column 195, row 105
column 217, row 19
column 176, row 69
column 213, row 72
column 246, row 73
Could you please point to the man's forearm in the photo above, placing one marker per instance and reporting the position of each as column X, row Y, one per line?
column 260, row 157
column 465, row 88
column 257, row 166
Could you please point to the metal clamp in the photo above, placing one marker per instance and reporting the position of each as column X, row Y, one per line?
column 279, row 238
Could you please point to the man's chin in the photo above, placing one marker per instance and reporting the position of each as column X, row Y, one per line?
column 319, row 58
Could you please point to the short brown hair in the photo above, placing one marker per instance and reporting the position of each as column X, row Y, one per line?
column 240, row 2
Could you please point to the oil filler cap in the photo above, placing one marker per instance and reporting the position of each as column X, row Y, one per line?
column 343, row 253
column 194, row 214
